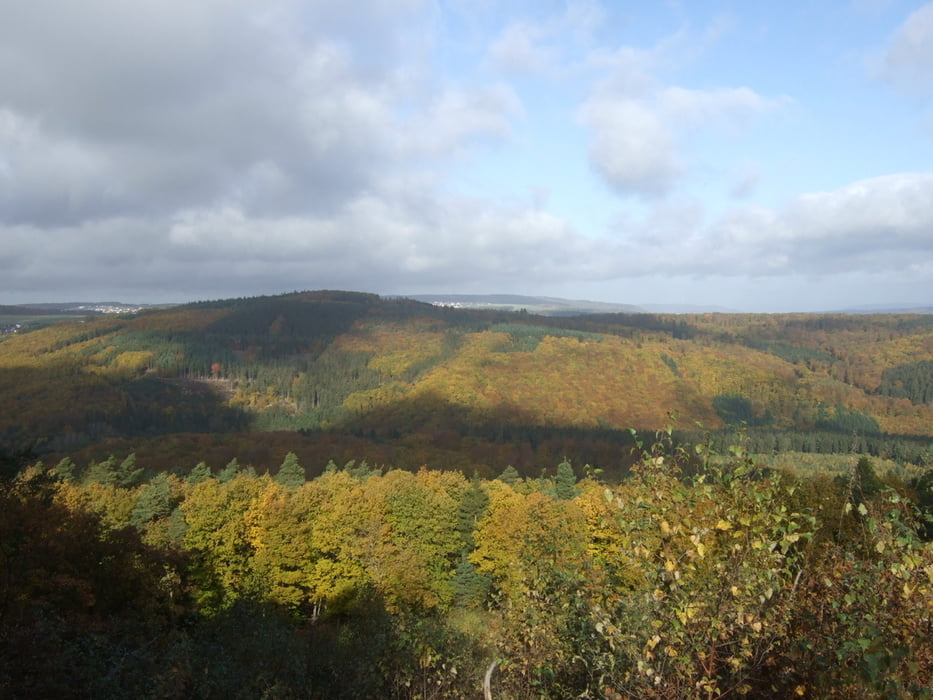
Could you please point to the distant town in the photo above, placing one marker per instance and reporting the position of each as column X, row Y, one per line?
column 14, row 319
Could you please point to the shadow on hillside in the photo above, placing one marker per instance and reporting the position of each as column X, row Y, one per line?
column 63, row 407
column 434, row 431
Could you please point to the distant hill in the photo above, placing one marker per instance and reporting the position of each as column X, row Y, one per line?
column 347, row 375
column 888, row 309
column 687, row 309
column 545, row 306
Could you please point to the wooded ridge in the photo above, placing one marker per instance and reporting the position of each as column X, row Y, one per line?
column 343, row 375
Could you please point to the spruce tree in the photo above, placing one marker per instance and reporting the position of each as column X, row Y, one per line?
column 201, row 472
column 510, row 475
column 155, row 501
column 128, row 475
column 564, row 482
column 229, row 471
column 291, row 473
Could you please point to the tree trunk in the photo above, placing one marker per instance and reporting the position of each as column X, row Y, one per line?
column 487, row 681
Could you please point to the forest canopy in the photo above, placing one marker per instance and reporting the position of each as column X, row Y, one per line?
column 335, row 495
column 344, row 375
column 700, row 574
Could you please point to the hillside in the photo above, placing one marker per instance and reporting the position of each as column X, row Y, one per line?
column 343, row 375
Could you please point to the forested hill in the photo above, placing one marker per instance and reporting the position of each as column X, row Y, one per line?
column 342, row 375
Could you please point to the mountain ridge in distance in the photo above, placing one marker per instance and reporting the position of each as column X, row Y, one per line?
column 557, row 306
column 542, row 305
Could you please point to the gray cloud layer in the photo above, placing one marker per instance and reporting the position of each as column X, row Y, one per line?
column 171, row 150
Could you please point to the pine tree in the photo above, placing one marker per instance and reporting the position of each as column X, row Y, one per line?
column 155, row 501
column 470, row 587
column 473, row 504
column 510, row 475
column 201, row 472
column 564, row 481
column 291, row 473
column 229, row 471
column 128, row 475
column 101, row 472
column 66, row 469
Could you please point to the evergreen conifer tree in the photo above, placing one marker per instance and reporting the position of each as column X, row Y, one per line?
column 564, row 481
column 201, row 472
column 510, row 475
column 229, row 471
column 291, row 473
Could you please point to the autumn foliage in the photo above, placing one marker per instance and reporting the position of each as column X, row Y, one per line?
column 331, row 495
column 700, row 575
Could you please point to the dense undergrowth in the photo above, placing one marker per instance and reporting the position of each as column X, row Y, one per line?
column 699, row 575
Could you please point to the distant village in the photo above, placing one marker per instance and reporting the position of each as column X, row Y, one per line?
column 106, row 308
column 8, row 327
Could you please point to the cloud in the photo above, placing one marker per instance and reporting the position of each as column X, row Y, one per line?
column 632, row 146
column 517, row 49
column 547, row 45
column 457, row 116
column 877, row 225
column 383, row 243
column 731, row 106
column 745, row 183
column 280, row 108
column 47, row 178
column 224, row 146
column 415, row 241
column 168, row 150
column 635, row 145
column 907, row 62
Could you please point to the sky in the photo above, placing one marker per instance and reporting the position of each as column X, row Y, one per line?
column 754, row 156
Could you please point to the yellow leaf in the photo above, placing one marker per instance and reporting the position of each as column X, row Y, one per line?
column 723, row 525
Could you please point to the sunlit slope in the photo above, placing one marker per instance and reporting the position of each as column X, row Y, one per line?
column 613, row 381
column 347, row 361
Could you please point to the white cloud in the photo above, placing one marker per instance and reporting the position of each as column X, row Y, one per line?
column 517, row 49
column 635, row 142
column 163, row 150
column 457, row 116
column 685, row 106
column 420, row 242
column 908, row 60
column 548, row 44
column 281, row 108
column 880, row 224
column 632, row 147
